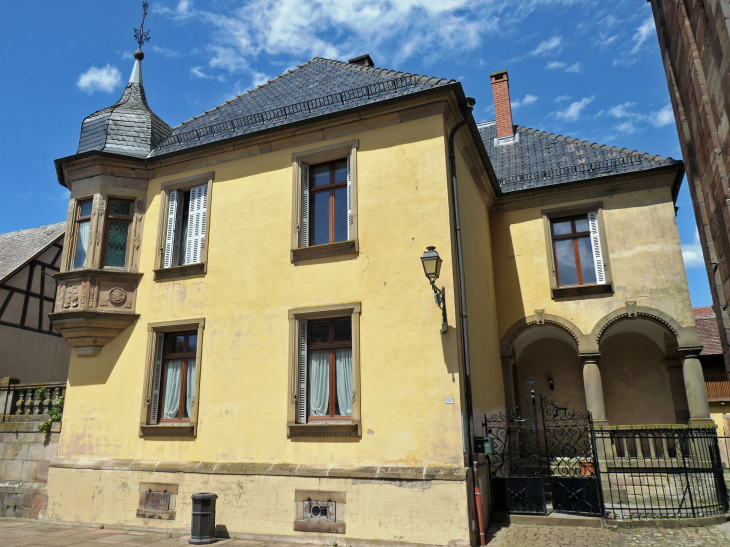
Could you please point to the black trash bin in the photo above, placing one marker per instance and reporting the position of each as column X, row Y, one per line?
column 202, row 531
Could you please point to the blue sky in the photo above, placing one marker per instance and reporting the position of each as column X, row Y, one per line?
column 589, row 69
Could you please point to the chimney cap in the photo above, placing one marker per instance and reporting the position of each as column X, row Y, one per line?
column 499, row 73
column 362, row 60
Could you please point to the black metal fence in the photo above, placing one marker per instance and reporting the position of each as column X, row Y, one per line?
column 661, row 472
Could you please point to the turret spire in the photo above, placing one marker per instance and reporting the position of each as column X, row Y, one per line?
column 141, row 36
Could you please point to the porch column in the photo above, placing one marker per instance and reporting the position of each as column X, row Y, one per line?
column 593, row 388
column 694, row 385
column 508, row 375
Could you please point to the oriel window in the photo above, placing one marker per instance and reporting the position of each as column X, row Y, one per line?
column 175, row 377
column 118, row 225
column 577, row 250
column 328, row 374
column 326, row 203
column 82, row 230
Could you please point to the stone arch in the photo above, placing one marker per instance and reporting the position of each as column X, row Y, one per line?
column 686, row 337
column 539, row 319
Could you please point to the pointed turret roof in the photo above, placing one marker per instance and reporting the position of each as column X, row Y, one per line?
column 128, row 127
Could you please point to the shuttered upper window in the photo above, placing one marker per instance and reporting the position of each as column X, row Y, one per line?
column 186, row 225
column 577, row 250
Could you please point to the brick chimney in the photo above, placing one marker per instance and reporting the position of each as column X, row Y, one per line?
column 362, row 60
column 502, row 105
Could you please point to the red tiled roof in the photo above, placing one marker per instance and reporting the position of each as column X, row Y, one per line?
column 707, row 329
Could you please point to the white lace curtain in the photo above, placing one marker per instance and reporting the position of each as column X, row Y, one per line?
column 171, row 404
column 82, row 244
column 319, row 372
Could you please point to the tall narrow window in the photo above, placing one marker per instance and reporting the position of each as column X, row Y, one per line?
column 83, row 224
column 119, row 221
column 175, row 377
column 186, row 225
column 577, row 249
column 326, row 210
column 328, row 374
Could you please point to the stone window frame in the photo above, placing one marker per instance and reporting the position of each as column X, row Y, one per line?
column 556, row 290
column 171, row 489
column 97, row 232
column 188, row 270
column 295, row 429
column 331, row 152
column 185, row 429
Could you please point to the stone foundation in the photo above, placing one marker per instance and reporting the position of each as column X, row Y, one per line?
column 266, row 507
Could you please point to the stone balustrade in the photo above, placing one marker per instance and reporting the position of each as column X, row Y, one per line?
column 28, row 402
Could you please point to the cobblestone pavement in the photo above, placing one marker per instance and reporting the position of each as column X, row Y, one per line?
column 564, row 536
column 22, row 533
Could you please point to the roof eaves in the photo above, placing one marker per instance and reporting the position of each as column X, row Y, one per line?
column 32, row 257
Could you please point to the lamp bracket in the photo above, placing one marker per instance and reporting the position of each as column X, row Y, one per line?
column 440, row 297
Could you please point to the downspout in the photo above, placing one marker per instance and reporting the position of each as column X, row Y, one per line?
column 465, row 112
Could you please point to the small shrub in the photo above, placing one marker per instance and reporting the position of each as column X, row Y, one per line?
column 56, row 413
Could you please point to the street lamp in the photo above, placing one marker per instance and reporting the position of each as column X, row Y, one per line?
column 432, row 268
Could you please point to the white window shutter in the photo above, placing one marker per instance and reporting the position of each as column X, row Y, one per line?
column 196, row 223
column 302, row 374
column 172, row 223
column 349, row 199
column 304, row 235
column 157, row 378
column 596, row 244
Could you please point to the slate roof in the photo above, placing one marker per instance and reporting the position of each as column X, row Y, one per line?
column 318, row 87
column 16, row 248
column 539, row 159
column 128, row 127
column 707, row 328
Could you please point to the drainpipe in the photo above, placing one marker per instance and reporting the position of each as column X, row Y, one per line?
column 465, row 112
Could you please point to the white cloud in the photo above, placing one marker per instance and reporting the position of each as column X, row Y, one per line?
column 657, row 119
column 642, row 34
column 550, row 45
column 559, row 65
column 169, row 53
column 662, row 117
column 183, row 10
column 529, row 99
column 562, row 98
column 259, row 78
column 124, row 55
column 104, row 79
column 195, row 71
column 573, row 112
column 692, row 253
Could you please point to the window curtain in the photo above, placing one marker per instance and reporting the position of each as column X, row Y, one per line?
column 82, row 244
column 171, row 404
column 319, row 389
column 343, row 375
column 189, row 386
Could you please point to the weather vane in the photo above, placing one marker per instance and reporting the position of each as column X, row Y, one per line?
column 142, row 36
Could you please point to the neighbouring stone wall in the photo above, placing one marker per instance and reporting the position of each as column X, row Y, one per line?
column 694, row 37
column 25, row 455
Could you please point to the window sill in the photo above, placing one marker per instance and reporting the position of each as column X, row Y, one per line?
column 321, row 251
column 331, row 429
column 188, row 270
column 582, row 290
column 319, row 526
column 154, row 514
column 165, row 430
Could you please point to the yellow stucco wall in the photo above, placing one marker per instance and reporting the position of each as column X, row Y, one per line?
column 643, row 248
column 407, row 367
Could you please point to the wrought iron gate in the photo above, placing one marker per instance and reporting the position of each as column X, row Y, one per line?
column 516, row 473
column 572, row 463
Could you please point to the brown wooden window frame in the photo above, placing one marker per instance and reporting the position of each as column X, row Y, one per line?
column 184, row 356
column 331, row 345
column 574, row 236
column 330, row 187
column 117, row 218
column 78, row 219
